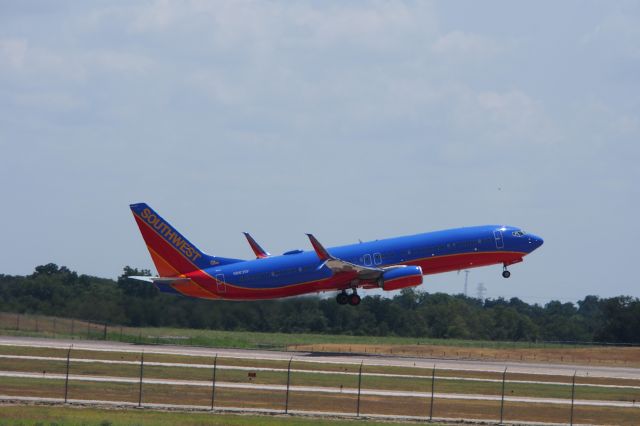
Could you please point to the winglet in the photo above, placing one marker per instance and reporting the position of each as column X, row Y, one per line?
column 259, row 251
column 322, row 253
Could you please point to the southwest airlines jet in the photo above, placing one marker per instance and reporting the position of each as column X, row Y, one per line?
column 389, row 264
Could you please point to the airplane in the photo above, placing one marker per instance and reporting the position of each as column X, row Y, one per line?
column 388, row 264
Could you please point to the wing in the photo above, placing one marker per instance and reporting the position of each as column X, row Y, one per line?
column 367, row 273
column 259, row 251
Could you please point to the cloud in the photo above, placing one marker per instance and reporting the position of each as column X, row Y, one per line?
column 54, row 101
column 502, row 119
column 619, row 31
column 254, row 24
column 218, row 87
column 118, row 61
column 157, row 16
column 12, row 52
column 468, row 45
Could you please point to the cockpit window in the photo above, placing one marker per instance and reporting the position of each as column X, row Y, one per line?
column 518, row 233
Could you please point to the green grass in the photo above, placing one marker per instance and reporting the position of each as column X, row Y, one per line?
column 66, row 416
column 252, row 340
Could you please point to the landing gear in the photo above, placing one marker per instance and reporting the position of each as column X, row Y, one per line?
column 354, row 299
column 505, row 272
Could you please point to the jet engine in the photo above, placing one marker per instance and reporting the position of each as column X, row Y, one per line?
column 396, row 278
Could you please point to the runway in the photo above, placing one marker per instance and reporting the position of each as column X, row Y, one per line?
column 353, row 359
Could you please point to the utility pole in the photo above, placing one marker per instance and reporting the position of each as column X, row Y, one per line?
column 504, row 379
column 286, row 403
column 359, row 388
column 213, row 382
column 66, row 379
column 141, row 372
column 573, row 396
column 433, row 386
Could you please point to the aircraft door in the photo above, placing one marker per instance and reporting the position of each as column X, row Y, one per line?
column 222, row 288
column 497, row 234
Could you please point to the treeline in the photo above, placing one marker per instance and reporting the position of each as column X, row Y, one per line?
column 57, row 291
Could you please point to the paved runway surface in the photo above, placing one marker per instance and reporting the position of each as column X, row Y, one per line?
column 442, row 364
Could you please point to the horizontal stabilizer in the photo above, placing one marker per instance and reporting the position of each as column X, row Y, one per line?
column 158, row 279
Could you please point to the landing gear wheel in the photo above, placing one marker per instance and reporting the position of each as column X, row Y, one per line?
column 342, row 298
column 505, row 273
column 354, row 299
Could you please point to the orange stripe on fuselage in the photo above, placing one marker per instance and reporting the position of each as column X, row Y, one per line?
column 190, row 288
column 187, row 288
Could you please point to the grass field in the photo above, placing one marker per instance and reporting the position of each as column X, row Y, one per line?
column 13, row 415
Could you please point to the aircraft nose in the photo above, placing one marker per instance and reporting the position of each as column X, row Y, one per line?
column 535, row 241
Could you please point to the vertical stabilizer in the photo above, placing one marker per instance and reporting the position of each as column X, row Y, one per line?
column 170, row 251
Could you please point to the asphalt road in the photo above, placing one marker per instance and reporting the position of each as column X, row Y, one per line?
column 442, row 364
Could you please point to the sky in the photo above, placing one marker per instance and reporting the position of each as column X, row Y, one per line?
column 348, row 119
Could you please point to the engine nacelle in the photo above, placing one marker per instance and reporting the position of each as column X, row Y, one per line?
column 394, row 279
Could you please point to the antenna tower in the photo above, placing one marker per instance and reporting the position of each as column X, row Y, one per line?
column 466, row 282
column 481, row 291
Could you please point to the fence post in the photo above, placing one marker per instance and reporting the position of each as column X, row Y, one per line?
column 213, row 381
column 504, row 377
column 573, row 394
column 286, row 401
column 73, row 321
column 359, row 388
column 66, row 380
column 433, row 384
column 141, row 370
